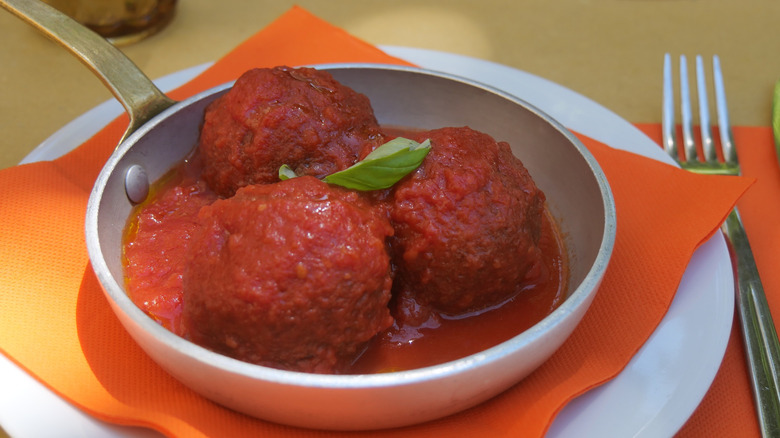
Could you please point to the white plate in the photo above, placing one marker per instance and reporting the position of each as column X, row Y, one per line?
column 653, row 396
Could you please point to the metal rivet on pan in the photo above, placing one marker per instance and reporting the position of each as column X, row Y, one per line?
column 136, row 183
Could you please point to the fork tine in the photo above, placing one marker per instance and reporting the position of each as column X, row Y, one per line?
column 667, row 120
column 704, row 113
column 726, row 136
column 689, row 144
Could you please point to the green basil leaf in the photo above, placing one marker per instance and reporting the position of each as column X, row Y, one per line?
column 383, row 167
column 285, row 172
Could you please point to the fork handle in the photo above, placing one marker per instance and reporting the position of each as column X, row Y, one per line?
column 758, row 329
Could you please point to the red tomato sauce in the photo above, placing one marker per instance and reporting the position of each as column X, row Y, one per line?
column 155, row 243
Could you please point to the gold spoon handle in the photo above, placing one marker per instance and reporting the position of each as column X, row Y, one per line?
column 137, row 93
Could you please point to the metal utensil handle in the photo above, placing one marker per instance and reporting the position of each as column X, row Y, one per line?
column 137, row 93
column 758, row 329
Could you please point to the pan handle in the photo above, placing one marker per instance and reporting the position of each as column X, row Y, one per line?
column 137, row 93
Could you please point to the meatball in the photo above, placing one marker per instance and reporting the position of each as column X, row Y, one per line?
column 467, row 223
column 293, row 275
column 301, row 117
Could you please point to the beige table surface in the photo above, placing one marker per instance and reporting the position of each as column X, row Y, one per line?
column 608, row 50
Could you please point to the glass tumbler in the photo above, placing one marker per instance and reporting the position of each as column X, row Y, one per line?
column 119, row 21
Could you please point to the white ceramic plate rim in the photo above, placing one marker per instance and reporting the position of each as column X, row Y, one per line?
column 653, row 396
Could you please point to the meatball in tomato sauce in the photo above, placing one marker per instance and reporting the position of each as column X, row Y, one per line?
column 293, row 275
column 467, row 223
column 301, row 117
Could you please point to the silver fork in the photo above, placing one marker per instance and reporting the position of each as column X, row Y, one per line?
column 758, row 329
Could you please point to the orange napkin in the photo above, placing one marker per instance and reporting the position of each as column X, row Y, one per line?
column 728, row 409
column 56, row 324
